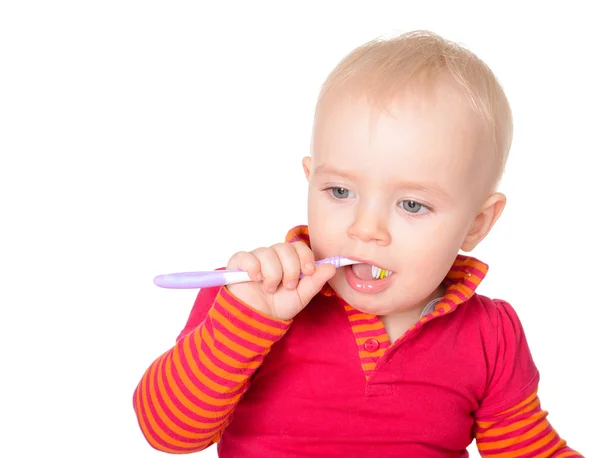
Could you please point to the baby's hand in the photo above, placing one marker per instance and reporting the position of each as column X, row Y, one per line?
column 275, row 289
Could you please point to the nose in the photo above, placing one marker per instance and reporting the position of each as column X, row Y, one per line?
column 370, row 226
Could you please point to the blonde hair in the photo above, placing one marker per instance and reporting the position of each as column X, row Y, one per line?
column 385, row 67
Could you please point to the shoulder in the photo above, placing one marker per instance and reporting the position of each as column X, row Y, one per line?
column 493, row 323
column 511, row 371
column 488, row 311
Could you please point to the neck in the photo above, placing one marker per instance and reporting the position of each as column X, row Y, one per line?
column 396, row 324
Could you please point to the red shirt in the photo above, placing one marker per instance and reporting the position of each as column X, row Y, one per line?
column 330, row 384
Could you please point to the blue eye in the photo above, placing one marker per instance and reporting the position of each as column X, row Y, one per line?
column 339, row 193
column 411, row 206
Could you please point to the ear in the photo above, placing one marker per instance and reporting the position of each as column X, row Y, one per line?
column 306, row 165
column 484, row 221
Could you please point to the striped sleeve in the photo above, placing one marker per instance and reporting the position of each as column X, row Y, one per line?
column 187, row 396
column 520, row 431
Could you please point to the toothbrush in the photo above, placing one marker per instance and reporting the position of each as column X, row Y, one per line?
column 189, row 280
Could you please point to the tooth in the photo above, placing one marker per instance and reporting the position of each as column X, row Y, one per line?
column 376, row 272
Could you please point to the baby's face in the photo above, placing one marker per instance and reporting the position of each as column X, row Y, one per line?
column 398, row 190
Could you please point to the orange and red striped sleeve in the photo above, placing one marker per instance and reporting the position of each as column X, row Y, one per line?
column 187, row 396
column 520, row 431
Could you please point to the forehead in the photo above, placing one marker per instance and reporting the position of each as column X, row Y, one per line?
column 432, row 137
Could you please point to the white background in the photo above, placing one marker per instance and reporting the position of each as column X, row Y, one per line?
column 140, row 138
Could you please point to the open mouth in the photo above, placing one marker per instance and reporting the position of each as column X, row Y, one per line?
column 370, row 272
column 368, row 279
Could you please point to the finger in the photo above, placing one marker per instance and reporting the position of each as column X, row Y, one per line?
column 248, row 263
column 271, row 269
column 310, row 285
column 306, row 256
column 290, row 262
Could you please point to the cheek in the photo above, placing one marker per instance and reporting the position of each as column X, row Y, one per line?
column 445, row 232
column 314, row 203
column 430, row 264
column 426, row 247
column 424, row 271
column 326, row 230
column 316, row 221
column 322, row 215
column 438, row 246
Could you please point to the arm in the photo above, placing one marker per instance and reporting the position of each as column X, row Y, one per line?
column 187, row 396
column 510, row 421
column 521, row 430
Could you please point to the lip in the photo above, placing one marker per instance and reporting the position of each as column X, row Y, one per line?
column 367, row 286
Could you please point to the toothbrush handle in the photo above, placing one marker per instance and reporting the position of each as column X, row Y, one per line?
column 190, row 280
column 335, row 260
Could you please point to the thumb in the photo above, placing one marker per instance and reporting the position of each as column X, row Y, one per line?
column 310, row 285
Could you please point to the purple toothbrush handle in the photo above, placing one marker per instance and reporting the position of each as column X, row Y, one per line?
column 187, row 280
column 208, row 279
column 335, row 260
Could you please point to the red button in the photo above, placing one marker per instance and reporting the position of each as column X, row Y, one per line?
column 371, row 345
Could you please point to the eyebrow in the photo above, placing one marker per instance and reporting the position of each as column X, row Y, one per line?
column 430, row 188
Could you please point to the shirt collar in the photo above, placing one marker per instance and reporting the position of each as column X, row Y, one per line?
column 462, row 280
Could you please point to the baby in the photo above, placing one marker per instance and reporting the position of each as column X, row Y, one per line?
column 397, row 356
